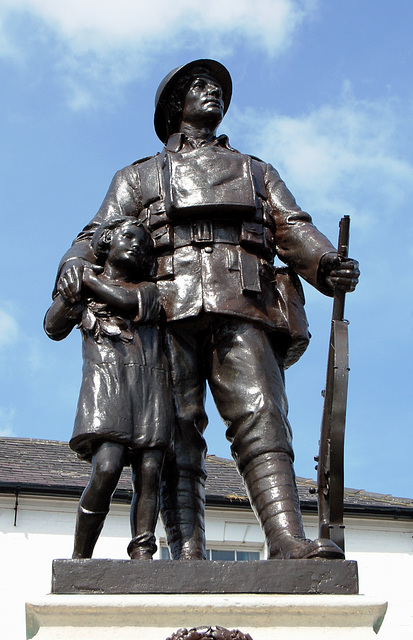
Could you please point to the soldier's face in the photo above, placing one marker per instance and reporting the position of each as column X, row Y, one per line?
column 204, row 104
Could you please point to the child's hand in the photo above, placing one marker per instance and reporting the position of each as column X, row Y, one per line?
column 70, row 282
column 72, row 277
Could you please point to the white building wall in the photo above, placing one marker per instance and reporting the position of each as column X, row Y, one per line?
column 44, row 531
column 383, row 550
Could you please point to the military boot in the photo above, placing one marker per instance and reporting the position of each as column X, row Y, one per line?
column 142, row 546
column 183, row 514
column 270, row 482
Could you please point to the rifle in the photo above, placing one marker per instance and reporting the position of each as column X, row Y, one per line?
column 330, row 459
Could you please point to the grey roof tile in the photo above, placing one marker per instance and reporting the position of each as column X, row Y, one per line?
column 50, row 466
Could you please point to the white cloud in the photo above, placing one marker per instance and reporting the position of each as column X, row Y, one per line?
column 8, row 329
column 114, row 41
column 346, row 158
column 6, row 422
column 342, row 157
column 97, row 24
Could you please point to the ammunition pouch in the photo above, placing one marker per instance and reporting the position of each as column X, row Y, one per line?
column 290, row 307
column 208, row 182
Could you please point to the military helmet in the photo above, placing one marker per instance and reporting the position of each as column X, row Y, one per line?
column 213, row 68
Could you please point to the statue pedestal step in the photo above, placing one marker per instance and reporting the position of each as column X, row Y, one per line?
column 156, row 617
column 270, row 600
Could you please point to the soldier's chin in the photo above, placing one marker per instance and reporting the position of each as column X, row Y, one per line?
column 213, row 114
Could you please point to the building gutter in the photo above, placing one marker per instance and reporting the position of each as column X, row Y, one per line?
column 124, row 496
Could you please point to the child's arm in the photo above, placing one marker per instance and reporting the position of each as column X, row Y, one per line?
column 141, row 298
column 122, row 295
column 60, row 318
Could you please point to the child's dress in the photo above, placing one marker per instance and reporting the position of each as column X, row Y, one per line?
column 125, row 395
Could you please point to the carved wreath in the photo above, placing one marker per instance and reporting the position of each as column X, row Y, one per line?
column 209, row 633
column 98, row 320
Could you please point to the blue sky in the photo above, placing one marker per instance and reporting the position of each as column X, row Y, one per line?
column 322, row 90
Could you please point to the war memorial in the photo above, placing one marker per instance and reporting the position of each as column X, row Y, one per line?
column 173, row 287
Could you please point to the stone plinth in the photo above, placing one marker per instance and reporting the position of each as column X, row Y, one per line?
column 315, row 576
column 270, row 600
column 156, row 617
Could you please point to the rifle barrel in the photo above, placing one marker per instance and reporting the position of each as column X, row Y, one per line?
column 342, row 253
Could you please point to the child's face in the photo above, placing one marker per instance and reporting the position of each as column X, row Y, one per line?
column 127, row 246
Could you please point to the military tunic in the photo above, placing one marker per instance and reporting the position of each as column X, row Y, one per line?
column 232, row 319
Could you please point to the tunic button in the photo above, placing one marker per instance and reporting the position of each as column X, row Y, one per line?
column 208, row 249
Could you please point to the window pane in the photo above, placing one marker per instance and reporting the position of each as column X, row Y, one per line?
column 222, row 554
column 219, row 554
column 248, row 555
column 165, row 555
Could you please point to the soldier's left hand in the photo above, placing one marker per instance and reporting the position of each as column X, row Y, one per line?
column 343, row 274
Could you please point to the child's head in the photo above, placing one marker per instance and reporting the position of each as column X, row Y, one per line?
column 124, row 238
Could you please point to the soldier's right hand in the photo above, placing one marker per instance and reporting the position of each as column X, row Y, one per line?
column 71, row 278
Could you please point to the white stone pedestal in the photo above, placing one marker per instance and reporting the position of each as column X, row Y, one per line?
column 156, row 617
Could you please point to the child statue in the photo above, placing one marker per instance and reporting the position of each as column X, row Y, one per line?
column 124, row 414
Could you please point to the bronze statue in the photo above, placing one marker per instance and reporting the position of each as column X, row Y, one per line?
column 124, row 414
column 217, row 219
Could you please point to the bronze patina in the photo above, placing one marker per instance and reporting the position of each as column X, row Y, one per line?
column 330, row 460
column 218, row 218
column 124, row 414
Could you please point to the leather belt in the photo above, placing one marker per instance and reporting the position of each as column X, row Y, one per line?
column 205, row 232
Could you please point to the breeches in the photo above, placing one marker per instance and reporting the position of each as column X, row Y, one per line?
column 246, row 377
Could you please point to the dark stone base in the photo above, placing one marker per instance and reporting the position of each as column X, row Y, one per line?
column 196, row 576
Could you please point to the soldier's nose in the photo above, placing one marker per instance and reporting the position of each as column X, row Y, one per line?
column 214, row 91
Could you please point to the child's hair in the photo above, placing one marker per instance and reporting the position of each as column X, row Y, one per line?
column 102, row 239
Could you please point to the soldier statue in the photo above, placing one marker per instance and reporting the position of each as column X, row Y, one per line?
column 218, row 218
